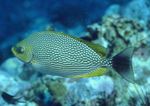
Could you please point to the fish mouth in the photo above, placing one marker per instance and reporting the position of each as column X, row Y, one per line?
column 13, row 51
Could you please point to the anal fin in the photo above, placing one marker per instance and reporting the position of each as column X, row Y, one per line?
column 97, row 72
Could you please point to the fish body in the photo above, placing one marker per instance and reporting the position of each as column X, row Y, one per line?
column 59, row 54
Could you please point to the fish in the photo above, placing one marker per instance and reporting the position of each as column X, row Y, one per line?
column 10, row 99
column 60, row 54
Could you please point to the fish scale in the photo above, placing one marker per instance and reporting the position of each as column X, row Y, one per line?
column 70, row 54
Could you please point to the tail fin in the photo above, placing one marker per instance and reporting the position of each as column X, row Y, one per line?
column 122, row 63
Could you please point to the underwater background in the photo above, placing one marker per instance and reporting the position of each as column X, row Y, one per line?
column 114, row 24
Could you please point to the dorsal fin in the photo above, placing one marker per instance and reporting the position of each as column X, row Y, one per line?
column 96, row 47
column 100, row 50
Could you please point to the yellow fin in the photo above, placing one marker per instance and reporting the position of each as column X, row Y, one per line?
column 100, row 50
column 97, row 72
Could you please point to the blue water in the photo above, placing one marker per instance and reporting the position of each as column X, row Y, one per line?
column 19, row 18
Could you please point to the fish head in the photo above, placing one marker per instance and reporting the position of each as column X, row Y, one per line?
column 23, row 51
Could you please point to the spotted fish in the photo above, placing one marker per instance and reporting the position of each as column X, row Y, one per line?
column 59, row 54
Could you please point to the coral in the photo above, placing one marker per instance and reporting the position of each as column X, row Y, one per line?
column 84, row 91
column 57, row 89
column 9, row 80
column 117, row 33
column 45, row 91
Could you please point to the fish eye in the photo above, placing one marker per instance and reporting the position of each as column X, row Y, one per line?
column 20, row 49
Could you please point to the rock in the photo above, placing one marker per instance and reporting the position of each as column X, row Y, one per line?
column 88, row 89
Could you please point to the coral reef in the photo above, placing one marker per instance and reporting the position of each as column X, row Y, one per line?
column 117, row 33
